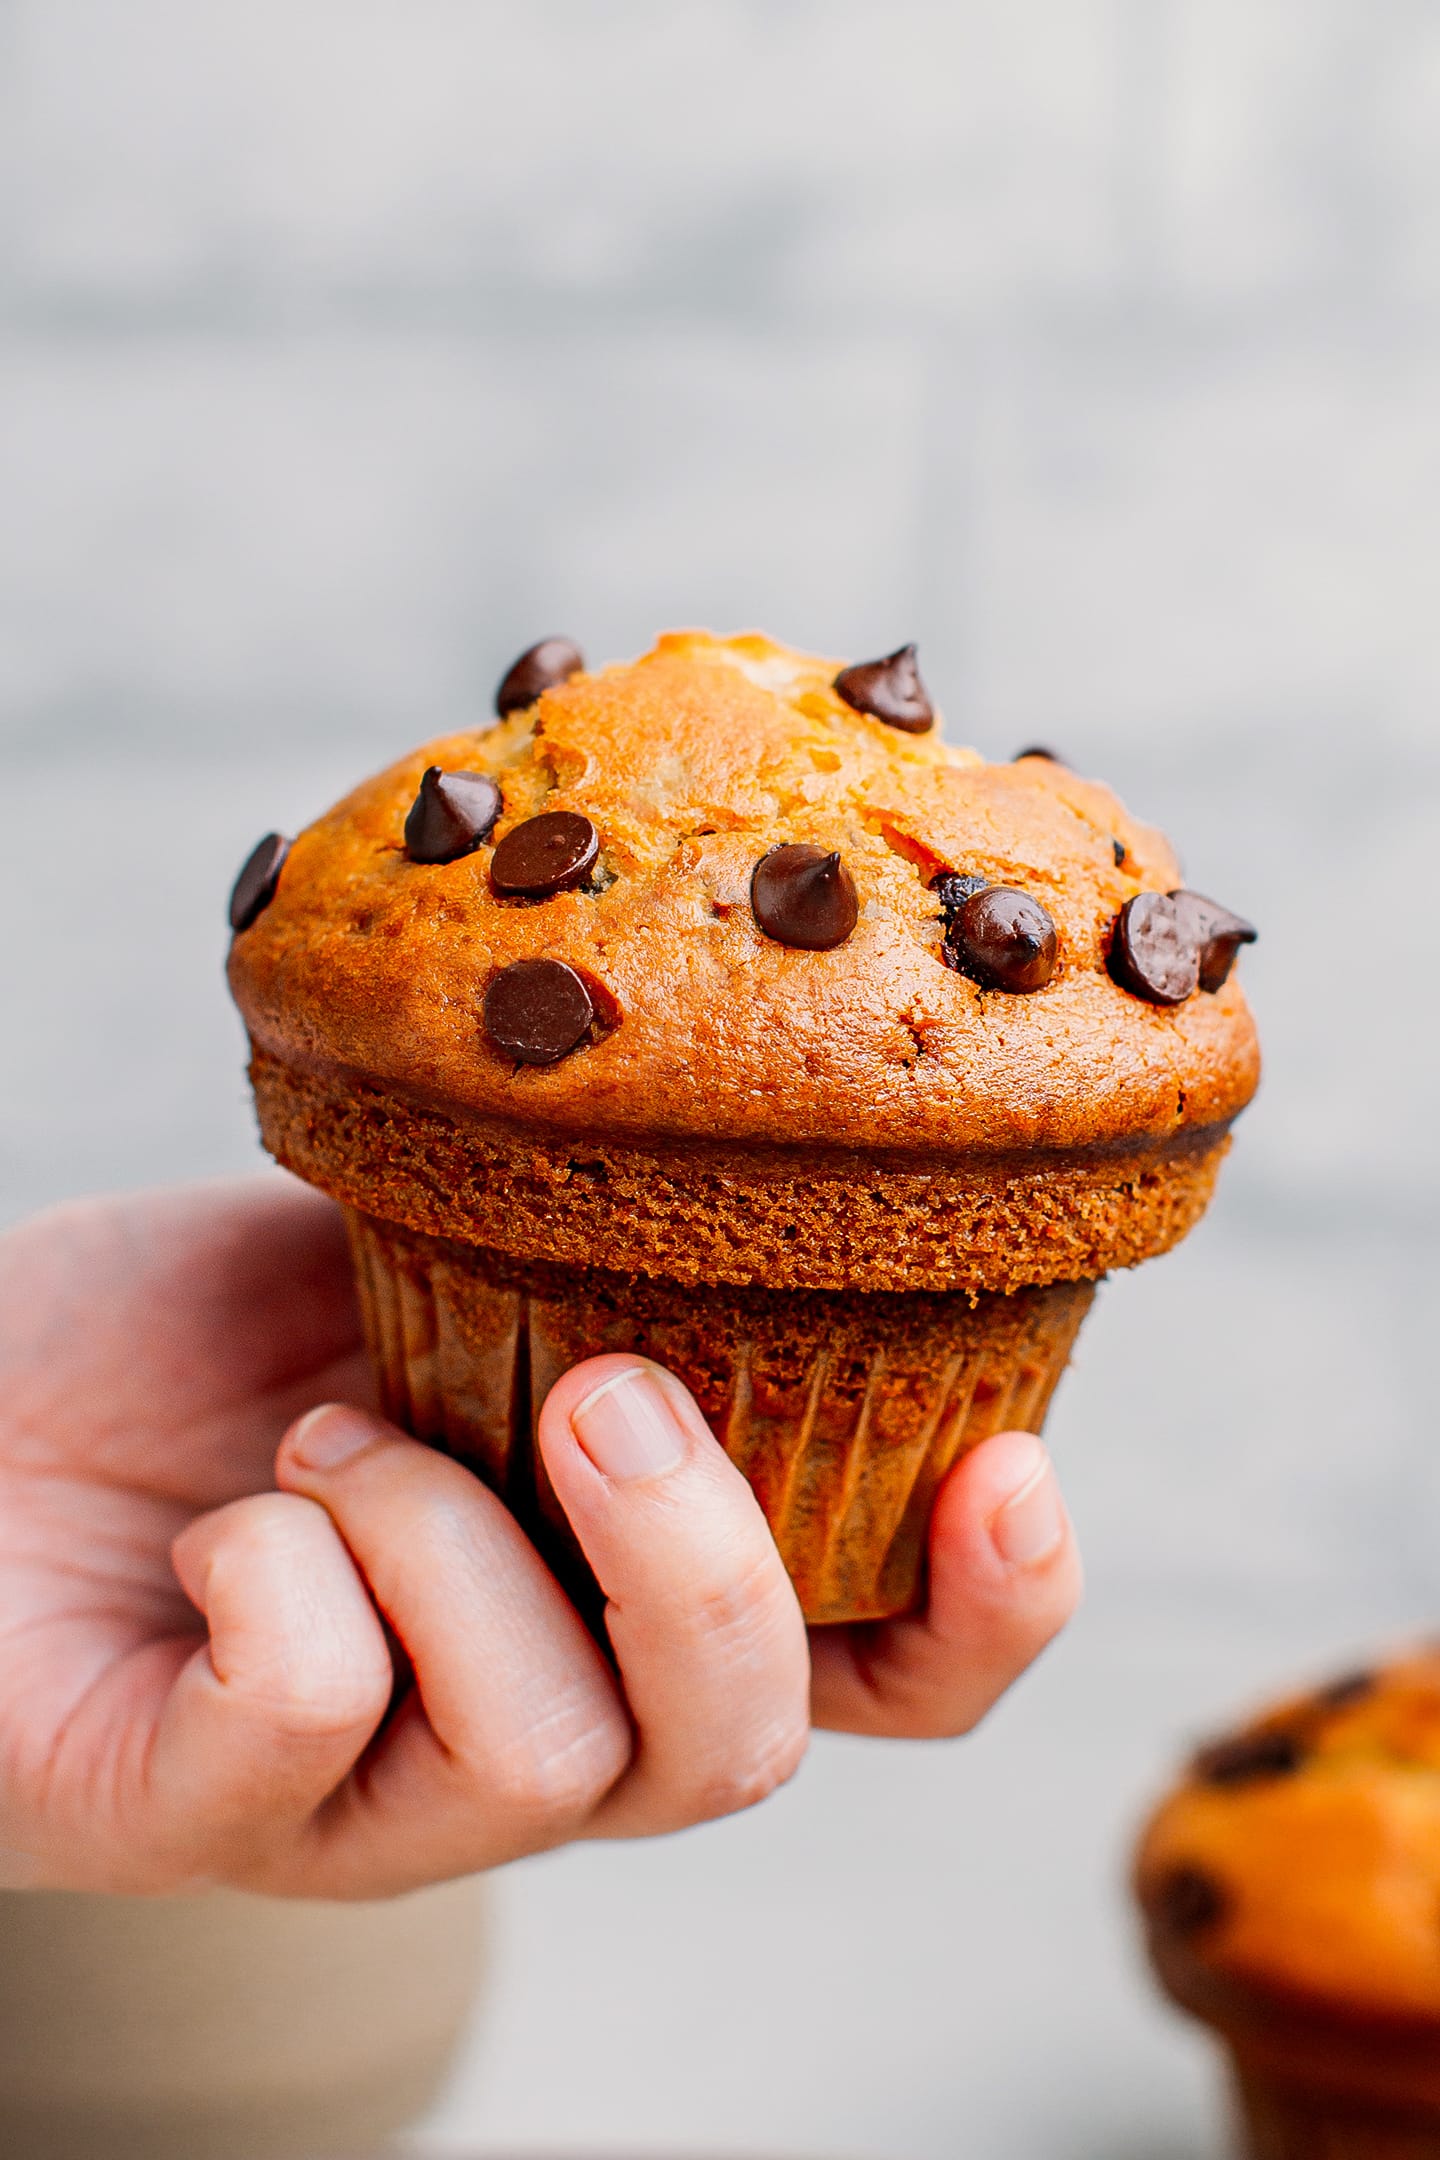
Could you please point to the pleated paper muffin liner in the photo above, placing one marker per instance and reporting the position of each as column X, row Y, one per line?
column 1285, row 2122
column 843, row 1409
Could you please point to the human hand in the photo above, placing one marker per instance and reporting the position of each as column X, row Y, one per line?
column 342, row 1670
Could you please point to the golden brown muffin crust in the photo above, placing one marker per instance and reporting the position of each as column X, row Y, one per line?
column 692, row 762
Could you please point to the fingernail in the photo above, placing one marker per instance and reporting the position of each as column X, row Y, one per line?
column 627, row 1427
column 1031, row 1524
column 329, row 1436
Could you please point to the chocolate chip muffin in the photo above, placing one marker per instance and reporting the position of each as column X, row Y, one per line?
column 1291, row 1890
column 713, row 1007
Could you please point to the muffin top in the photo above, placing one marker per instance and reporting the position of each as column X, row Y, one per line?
column 1300, row 1859
column 736, row 893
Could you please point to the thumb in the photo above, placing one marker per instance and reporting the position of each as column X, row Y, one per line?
column 1004, row 1578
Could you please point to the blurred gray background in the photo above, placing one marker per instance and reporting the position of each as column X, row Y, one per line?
column 348, row 345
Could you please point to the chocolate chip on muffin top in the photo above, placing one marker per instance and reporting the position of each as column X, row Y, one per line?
column 538, row 1010
column 545, row 855
column 891, row 689
column 804, row 898
column 1168, row 945
column 451, row 816
column 1002, row 939
column 539, row 668
column 259, row 881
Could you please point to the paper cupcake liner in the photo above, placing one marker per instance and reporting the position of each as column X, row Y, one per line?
column 843, row 1409
column 1283, row 2122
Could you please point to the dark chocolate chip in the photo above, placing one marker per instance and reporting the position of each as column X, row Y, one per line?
column 952, row 888
column 1218, row 933
column 1004, row 940
column 538, row 1011
column 539, row 668
column 1154, row 952
column 1351, row 1687
column 889, row 690
column 1051, row 757
column 255, row 887
column 1187, row 1900
column 545, row 855
column 1119, row 847
column 803, row 897
column 1248, row 1758
column 452, row 814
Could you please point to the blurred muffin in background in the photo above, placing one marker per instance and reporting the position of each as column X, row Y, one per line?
column 1291, row 1894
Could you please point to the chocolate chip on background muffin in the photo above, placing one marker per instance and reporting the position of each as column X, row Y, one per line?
column 258, row 881
column 1351, row 1687
column 1187, row 1900
column 804, row 897
column 539, row 668
column 545, row 855
column 453, row 814
column 889, row 690
column 1247, row 1757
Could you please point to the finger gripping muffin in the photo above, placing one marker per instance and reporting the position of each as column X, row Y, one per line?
column 1291, row 1893
column 720, row 971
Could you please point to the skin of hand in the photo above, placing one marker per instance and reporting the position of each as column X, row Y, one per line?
column 251, row 1634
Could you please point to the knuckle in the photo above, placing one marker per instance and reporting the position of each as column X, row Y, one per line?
column 262, row 1534
column 902, row 1698
column 929, row 1721
column 739, row 1618
column 743, row 1783
column 956, row 1724
column 299, row 1702
column 950, row 1712
column 293, row 1661
column 559, row 1769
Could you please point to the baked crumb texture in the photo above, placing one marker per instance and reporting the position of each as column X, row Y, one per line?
column 741, row 1110
column 1291, row 1891
column 844, row 1410
column 786, row 1219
